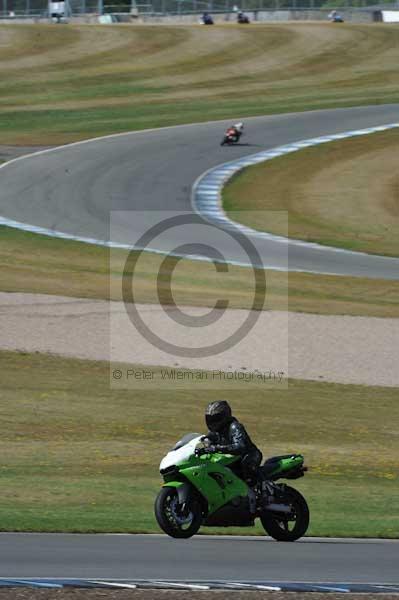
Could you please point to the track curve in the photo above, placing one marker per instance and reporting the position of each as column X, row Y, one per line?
column 201, row 558
column 72, row 189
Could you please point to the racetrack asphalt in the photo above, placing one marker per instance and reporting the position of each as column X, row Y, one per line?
column 200, row 558
column 72, row 189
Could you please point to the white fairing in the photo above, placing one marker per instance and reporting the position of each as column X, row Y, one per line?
column 175, row 457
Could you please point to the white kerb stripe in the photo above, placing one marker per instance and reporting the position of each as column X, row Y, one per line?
column 193, row 586
column 258, row 586
column 129, row 586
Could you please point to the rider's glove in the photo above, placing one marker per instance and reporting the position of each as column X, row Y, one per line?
column 199, row 451
column 208, row 450
column 210, row 438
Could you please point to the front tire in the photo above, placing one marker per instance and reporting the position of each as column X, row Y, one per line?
column 288, row 528
column 171, row 520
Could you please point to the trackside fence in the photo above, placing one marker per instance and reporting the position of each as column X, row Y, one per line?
column 37, row 9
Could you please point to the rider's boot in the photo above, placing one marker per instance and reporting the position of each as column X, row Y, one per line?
column 252, row 501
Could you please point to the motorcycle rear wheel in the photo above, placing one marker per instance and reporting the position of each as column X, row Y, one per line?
column 289, row 529
column 170, row 521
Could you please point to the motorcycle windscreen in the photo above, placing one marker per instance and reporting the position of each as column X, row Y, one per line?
column 185, row 440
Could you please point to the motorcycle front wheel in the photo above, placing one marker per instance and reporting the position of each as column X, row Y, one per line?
column 170, row 517
column 288, row 528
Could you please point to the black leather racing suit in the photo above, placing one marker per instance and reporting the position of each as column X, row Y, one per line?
column 234, row 439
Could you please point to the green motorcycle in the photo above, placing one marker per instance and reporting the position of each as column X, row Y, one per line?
column 206, row 489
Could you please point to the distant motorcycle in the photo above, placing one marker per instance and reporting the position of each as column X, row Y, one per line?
column 206, row 19
column 207, row 489
column 335, row 17
column 231, row 136
column 242, row 18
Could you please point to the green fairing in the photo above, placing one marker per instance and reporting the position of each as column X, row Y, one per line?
column 198, row 471
column 175, row 484
column 287, row 464
column 202, row 489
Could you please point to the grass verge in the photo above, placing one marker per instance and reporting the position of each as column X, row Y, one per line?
column 78, row 456
column 39, row 264
column 343, row 194
column 107, row 80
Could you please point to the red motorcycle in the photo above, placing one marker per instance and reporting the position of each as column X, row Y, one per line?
column 230, row 137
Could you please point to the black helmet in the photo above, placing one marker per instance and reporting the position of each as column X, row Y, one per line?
column 217, row 415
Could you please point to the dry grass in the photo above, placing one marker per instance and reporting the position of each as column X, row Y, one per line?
column 62, row 84
column 344, row 193
column 38, row 264
column 79, row 456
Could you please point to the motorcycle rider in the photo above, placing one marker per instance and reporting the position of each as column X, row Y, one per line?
column 242, row 18
column 233, row 134
column 239, row 129
column 206, row 19
column 227, row 435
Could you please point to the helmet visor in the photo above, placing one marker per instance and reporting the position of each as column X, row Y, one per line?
column 214, row 422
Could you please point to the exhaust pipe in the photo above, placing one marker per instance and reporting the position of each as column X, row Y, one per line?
column 281, row 508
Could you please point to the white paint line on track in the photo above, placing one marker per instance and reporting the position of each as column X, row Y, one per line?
column 117, row 246
column 35, row 583
column 391, row 588
column 214, row 209
column 258, row 586
column 279, row 585
column 129, row 586
column 248, row 538
column 191, row 586
column 331, row 588
column 217, row 175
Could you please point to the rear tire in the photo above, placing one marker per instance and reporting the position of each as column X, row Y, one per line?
column 278, row 526
column 168, row 518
